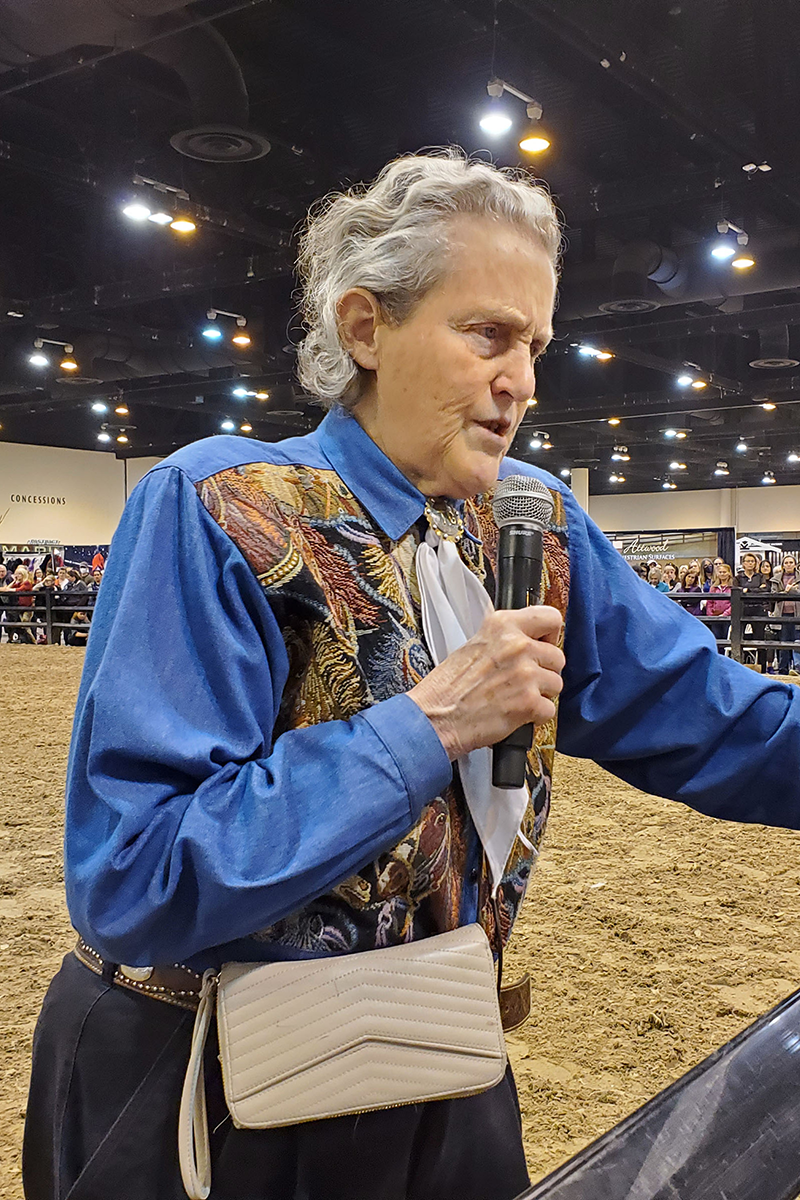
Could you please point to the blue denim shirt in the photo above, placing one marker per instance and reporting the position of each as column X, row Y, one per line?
column 188, row 828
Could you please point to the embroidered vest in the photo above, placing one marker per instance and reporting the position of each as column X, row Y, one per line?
column 346, row 600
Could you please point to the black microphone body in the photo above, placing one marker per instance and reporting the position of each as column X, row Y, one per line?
column 519, row 575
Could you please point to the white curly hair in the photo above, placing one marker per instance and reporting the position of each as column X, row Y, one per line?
column 391, row 238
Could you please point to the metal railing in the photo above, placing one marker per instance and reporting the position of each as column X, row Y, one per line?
column 749, row 614
column 48, row 612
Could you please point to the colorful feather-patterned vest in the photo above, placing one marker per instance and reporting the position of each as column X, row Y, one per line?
column 345, row 597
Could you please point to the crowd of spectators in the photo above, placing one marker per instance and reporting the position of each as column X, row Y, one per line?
column 22, row 611
column 710, row 581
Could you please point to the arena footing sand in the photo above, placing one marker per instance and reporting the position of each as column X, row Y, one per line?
column 652, row 935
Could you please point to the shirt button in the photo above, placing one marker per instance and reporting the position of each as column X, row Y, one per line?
column 474, row 875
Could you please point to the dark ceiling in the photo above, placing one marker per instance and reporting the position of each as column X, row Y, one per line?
column 654, row 108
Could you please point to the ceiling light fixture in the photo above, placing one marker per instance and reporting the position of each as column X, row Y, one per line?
column 721, row 469
column 183, row 225
column 616, row 479
column 532, row 402
column 677, row 466
column 39, row 359
column 136, row 211
column 699, row 384
column 741, row 447
column 228, row 426
column 241, row 339
column 122, row 410
column 613, row 420
column 669, row 484
column 122, row 438
column 684, row 380
column 99, row 407
column 793, row 458
column 241, row 392
column 265, row 396
column 246, row 428
column 670, row 433
column 768, row 406
column 743, row 262
column 104, row 437
column 212, row 332
column 768, row 477
column 68, row 363
column 535, row 443
column 565, row 472
column 726, row 245
column 680, row 434
column 160, row 218
column 547, row 445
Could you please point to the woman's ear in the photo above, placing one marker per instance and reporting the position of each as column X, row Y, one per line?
column 360, row 317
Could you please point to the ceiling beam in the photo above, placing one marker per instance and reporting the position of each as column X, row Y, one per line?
column 151, row 286
column 663, row 328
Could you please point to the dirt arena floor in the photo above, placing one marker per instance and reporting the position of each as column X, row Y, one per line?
column 652, row 935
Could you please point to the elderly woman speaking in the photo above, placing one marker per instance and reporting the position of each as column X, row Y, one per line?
column 267, row 766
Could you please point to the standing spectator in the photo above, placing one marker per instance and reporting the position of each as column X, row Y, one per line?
column 788, row 581
column 707, row 573
column 23, row 586
column 691, row 583
column 682, row 569
column 766, row 655
column 5, row 600
column 720, row 607
column 669, row 575
column 748, row 576
column 655, row 580
column 98, row 562
column 641, row 570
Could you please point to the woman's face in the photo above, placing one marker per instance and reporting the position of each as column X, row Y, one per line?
column 789, row 564
column 725, row 576
column 691, row 579
column 766, row 568
column 749, row 564
column 21, row 574
column 451, row 383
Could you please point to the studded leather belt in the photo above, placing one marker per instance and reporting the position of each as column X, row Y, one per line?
column 177, row 985
column 180, row 986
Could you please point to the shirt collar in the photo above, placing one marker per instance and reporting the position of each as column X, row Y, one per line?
column 383, row 490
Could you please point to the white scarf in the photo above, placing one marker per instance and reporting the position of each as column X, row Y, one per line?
column 454, row 604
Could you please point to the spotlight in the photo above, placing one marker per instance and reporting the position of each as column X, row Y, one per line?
column 535, row 443
column 246, row 428
column 265, row 396
column 122, row 410
column 99, row 407
column 212, row 333
column 565, row 472
column 741, row 447
column 532, row 402
column 616, row 479
column 684, row 380
column 743, row 262
column 104, row 437
column 699, row 384
column 240, row 393
column 677, row 466
column 793, row 458
column 722, row 251
column 547, row 445
column 241, row 339
column 122, row 438
column 495, row 121
column 668, row 485
column 160, row 218
column 670, row 433
column 768, row 477
column 68, row 363
column 183, row 225
column 620, row 454
column 228, row 426
column 37, row 359
column 136, row 211
column 721, row 469
column 613, row 420
column 534, row 141
column 588, row 351
column 680, row 434
column 768, row 406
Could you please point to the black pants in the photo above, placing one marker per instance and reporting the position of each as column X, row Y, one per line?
column 108, row 1067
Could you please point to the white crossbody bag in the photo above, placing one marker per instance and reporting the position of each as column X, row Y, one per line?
column 300, row 1041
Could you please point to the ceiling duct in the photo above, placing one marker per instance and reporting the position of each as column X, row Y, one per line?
column 636, row 265
column 199, row 56
column 774, row 349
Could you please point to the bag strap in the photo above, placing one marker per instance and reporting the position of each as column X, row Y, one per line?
column 193, row 1149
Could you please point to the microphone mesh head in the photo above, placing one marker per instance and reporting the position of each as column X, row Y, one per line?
column 521, row 498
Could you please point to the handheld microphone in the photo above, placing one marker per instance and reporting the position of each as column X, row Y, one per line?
column 523, row 507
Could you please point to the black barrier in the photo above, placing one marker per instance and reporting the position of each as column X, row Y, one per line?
column 47, row 615
column 725, row 1131
column 747, row 613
